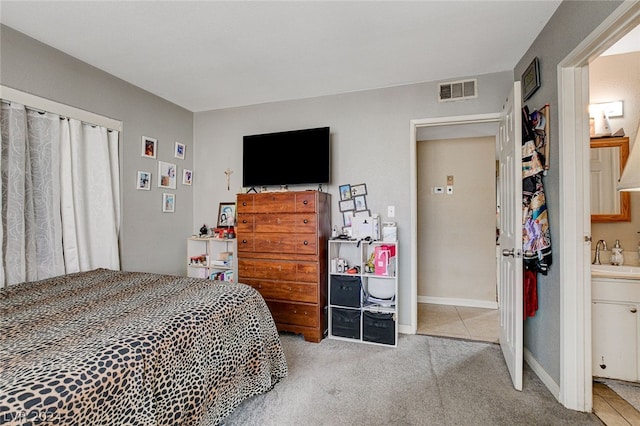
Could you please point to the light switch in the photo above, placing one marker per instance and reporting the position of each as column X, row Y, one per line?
column 391, row 211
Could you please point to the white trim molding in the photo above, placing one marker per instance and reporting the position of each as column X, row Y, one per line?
column 576, row 385
column 413, row 190
column 39, row 103
column 449, row 301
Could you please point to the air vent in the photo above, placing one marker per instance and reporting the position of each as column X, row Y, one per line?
column 456, row 90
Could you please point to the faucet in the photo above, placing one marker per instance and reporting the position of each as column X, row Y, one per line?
column 596, row 259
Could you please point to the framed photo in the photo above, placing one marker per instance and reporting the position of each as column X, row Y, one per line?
column 179, row 150
column 149, row 147
column 531, row 79
column 345, row 192
column 143, row 181
column 346, row 205
column 364, row 213
column 168, row 203
column 226, row 215
column 166, row 175
column 347, row 217
column 360, row 189
column 360, row 202
column 187, row 177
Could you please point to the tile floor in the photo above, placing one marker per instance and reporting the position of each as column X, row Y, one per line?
column 483, row 324
column 459, row 321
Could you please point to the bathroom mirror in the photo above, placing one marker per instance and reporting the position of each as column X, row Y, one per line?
column 608, row 157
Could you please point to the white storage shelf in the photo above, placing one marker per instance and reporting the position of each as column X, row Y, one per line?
column 354, row 314
column 212, row 258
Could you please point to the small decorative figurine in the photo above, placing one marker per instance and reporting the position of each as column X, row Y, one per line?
column 204, row 230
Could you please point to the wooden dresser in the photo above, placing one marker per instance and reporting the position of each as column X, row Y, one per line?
column 282, row 253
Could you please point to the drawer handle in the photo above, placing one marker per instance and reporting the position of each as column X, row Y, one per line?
column 306, row 243
column 305, row 202
column 244, row 241
column 244, row 221
column 244, row 203
column 305, row 221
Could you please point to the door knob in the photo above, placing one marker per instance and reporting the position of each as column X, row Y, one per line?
column 507, row 252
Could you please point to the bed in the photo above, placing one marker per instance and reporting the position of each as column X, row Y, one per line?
column 123, row 348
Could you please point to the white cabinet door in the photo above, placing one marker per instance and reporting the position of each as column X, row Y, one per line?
column 615, row 340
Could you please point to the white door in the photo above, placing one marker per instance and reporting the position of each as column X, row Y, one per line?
column 510, row 296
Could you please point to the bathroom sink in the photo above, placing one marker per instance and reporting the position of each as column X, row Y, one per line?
column 622, row 271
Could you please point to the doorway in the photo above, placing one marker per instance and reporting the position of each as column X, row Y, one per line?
column 576, row 378
column 433, row 129
column 456, row 233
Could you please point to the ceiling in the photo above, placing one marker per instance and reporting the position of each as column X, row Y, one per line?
column 205, row 55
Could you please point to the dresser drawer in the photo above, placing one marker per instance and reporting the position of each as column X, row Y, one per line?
column 270, row 242
column 286, row 223
column 277, row 270
column 297, row 292
column 245, row 223
column 294, row 313
column 306, row 202
column 244, row 203
column 275, row 202
column 246, row 242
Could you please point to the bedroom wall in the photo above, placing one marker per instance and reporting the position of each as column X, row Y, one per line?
column 369, row 143
column 150, row 241
column 572, row 22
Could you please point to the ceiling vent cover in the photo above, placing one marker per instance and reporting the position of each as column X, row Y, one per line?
column 456, row 90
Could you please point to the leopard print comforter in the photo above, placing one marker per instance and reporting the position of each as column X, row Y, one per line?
column 122, row 348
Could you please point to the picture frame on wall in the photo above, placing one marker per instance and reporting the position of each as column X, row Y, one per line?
column 187, row 177
column 168, row 203
column 347, row 218
column 149, row 147
column 346, row 205
column 360, row 189
column 226, row 215
column 345, row 192
column 143, row 181
column 531, row 79
column 360, row 202
column 166, row 175
column 179, row 150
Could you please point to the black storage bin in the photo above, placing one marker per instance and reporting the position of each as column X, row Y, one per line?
column 378, row 327
column 345, row 291
column 345, row 323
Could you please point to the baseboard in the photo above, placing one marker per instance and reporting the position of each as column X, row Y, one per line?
column 405, row 329
column 471, row 303
column 553, row 387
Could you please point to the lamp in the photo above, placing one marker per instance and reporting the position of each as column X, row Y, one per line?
column 630, row 178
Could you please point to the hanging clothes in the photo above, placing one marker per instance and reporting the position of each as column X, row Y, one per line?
column 536, row 235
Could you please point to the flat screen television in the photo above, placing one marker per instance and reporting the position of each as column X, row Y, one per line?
column 286, row 158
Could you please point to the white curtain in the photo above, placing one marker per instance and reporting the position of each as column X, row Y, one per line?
column 60, row 196
column 90, row 196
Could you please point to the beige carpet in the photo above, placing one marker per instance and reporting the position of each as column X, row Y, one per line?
column 424, row 381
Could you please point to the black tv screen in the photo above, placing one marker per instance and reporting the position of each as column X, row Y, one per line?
column 286, row 158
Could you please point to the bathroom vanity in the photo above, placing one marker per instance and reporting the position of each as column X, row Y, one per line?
column 615, row 322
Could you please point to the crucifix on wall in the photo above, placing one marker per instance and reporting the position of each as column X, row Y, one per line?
column 228, row 174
